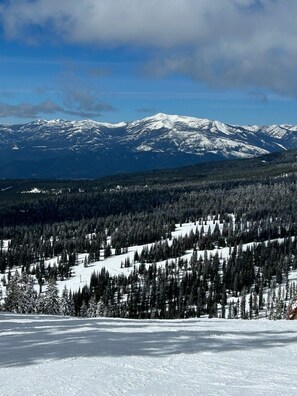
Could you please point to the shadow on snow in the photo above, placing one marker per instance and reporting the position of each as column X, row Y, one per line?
column 29, row 339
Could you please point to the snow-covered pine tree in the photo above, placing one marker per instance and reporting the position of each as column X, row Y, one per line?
column 51, row 299
column 92, row 308
column 100, row 311
column 66, row 304
column 83, row 310
column 13, row 299
column 29, row 295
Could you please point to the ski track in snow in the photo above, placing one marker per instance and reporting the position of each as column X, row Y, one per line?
column 47, row 355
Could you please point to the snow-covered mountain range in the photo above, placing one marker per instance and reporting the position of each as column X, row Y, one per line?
column 88, row 148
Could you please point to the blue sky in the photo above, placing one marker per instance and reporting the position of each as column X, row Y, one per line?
column 119, row 60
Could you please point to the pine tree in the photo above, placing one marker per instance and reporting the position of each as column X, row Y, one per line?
column 13, row 299
column 86, row 262
column 100, row 311
column 92, row 308
column 66, row 304
column 278, row 311
column 243, row 305
column 51, row 299
column 29, row 295
column 83, row 312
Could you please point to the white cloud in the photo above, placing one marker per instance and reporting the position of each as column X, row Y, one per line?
column 111, row 22
column 223, row 42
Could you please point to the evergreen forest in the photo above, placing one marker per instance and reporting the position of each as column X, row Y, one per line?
column 238, row 259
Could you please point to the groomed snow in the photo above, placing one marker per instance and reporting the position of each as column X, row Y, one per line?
column 44, row 355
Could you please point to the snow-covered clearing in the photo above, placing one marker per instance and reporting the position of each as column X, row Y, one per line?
column 81, row 275
column 44, row 355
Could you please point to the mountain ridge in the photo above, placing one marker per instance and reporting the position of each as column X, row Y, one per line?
column 91, row 149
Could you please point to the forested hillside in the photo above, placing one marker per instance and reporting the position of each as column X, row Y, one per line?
column 234, row 256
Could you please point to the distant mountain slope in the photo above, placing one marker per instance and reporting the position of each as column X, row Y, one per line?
column 88, row 149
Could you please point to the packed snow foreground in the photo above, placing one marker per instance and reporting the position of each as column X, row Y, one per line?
column 48, row 355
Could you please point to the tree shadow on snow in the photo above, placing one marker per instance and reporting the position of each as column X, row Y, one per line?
column 26, row 340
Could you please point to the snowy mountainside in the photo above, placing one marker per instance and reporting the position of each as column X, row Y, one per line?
column 84, row 269
column 81, row 274
column 84, row 148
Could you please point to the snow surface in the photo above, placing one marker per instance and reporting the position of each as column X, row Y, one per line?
column 34, row 190
column 47, row 355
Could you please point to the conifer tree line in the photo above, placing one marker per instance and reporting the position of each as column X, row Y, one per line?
column 200, row 286
column 21, row 297
column 182, row 288
column 258, row 212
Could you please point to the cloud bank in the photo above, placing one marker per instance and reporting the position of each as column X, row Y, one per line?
column 226, row 43
column 49, row 107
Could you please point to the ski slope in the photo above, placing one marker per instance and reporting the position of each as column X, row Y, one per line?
column 47, row 355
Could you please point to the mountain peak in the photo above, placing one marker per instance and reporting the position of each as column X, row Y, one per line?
column 161, row 140
column 171, row 121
